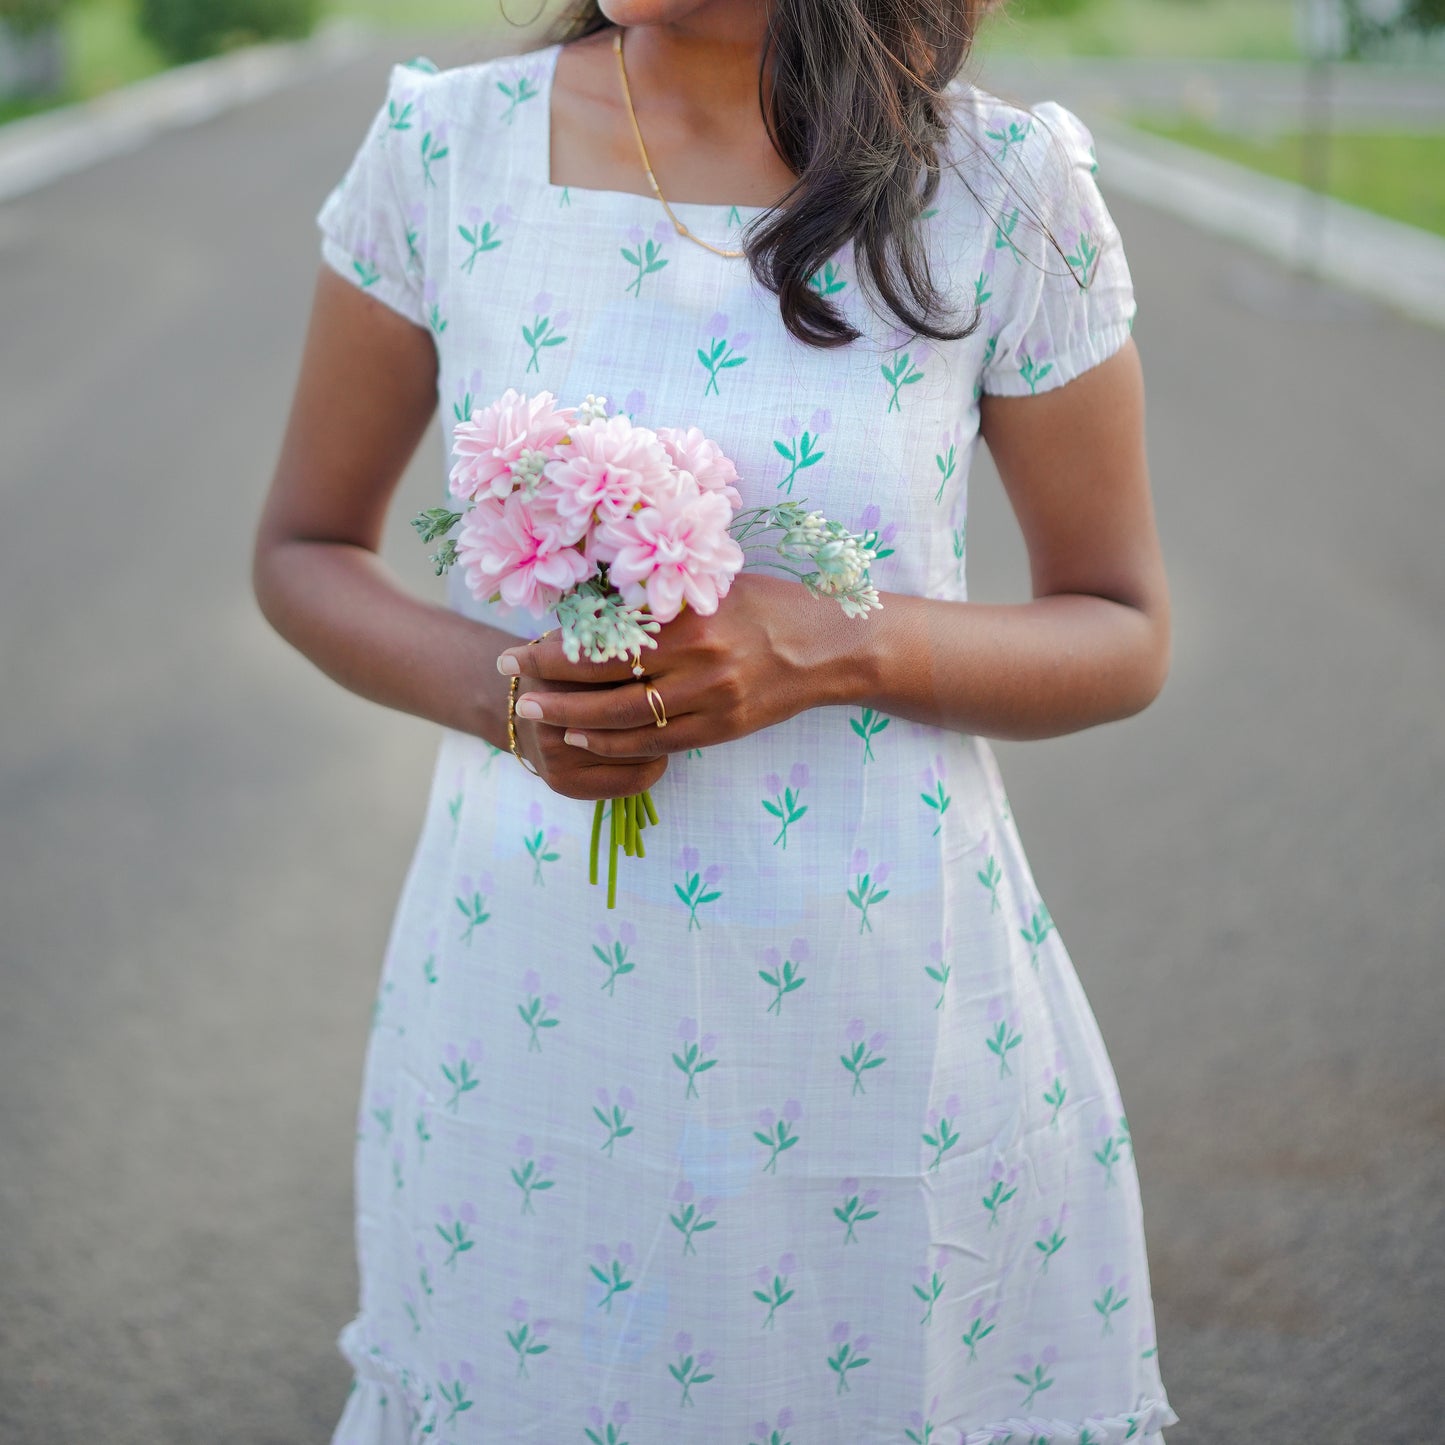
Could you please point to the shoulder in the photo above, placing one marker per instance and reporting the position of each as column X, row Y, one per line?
column 474, row 97
column 1040, row 154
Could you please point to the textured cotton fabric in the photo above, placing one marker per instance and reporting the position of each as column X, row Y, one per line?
column 813, row 1140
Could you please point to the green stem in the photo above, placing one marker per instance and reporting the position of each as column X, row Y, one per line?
column 612, row 860
column 596, row 835
column 647, row 804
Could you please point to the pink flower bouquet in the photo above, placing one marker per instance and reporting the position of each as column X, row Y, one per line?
column 616, row 528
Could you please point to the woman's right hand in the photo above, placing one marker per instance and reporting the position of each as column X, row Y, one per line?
column 574, row 772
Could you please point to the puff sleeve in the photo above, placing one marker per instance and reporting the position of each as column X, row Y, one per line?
column 1061, row 305
column 371, row 223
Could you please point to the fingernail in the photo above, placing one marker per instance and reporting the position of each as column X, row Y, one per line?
column 529, row 709
column 578, row 740
column 507, row 665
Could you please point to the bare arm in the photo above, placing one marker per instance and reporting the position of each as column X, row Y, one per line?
column 1093, row 645
column 366, row 393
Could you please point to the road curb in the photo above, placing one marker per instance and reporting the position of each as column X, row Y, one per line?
column 40, row 149
column 1400, row 266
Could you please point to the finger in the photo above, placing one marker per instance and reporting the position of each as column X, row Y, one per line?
column 547, row 660
column 599, row 709
column 637, row 743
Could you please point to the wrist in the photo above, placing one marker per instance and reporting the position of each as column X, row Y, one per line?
column 835, row 659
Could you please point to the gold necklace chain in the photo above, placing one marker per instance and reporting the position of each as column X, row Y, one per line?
column 677, row 225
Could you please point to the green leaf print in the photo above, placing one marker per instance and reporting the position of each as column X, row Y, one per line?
column 687, row 1370
column 1010, row 137
column 947, row 464
column 1109, row 1304
column 481, row 236
column 646, row 258
column 1036, row 934
column 1084, row 259
column 868, row 726
column 829, row 281
column 980, row 1328
column 991, row 876
column 898, row 372
column 781, row 974
column 1004, row 235
column 433, row 149
column 775, row 1292
column 692, row 1217
column 1032, row 372
column 518, row 93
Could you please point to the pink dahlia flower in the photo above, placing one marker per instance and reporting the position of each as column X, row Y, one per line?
column 486, row 446
column 522, row 549
column 676, row 549
column 609, row 468
column 693, row 452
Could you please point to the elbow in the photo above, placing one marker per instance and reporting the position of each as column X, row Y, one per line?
column 1155, row 657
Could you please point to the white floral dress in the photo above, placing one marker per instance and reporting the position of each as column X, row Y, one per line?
column 813, row 1140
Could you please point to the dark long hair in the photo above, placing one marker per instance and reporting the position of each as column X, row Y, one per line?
column 858, row 111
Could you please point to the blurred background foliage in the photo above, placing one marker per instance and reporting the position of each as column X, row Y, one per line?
column 96, row 45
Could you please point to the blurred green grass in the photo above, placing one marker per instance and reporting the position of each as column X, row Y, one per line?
column 1191, row 29
column 1400, row 176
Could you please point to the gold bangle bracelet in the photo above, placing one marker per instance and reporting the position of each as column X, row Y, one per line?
column 512, row 711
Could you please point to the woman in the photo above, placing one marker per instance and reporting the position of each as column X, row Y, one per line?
column 814, row 1138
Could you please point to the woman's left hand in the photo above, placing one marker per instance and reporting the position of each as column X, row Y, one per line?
column 766, row 654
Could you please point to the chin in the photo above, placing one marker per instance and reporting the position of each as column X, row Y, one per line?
column 650, row 12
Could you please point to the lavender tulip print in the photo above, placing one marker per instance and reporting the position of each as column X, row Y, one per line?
column 610, row 1269
column 525, row 1335
column 612, row 1115
column 693, row 1058
column 722, row 352
column 1005, row 1035
column 777, row 1133
column 786, row 804
column 862, row 1053
column 455, row 1230
column 1035, row 1376
column 607, row 1430
column 613, row 952
column 920, row 1428
column 1051, row 1237
column 460, row 1071
column 692, row 1215
column 765, row 1434
column 1113, row 1296
column 773, row 1288
column 867, row 888
column 698, row 888
column 644, row 254
column 856, row 1207
column 849, row 1354
column 537, row 1010
column 980, row 1327
column 801, row 447
column 530, row 1173
column 453, row 1387
column 690, row 1369
column 928, row 1285
column 784, row 975
column 940, row 1136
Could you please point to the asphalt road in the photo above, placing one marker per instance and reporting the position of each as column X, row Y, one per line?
column 201, row 839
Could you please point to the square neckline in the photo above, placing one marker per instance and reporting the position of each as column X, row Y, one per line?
column 543, row 163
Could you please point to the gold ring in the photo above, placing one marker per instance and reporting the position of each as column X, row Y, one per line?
column 637, row 668
column 654, row 701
